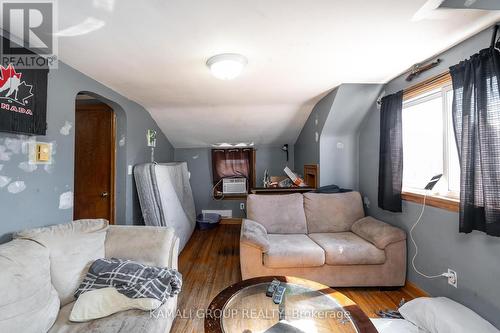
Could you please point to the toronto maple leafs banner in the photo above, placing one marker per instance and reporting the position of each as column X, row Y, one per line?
column 23, row 98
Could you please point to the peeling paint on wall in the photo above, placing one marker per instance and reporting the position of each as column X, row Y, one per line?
column 195, row 157
column 16, row 187
column 1, row 167
column 14, row 145
column 49, row 168
column 27, row 167
column 66, row 200
column 54, row 147
column 27, row 144
column 121, row 143
column 4, row 154
column 66, row 129
column 4, row 181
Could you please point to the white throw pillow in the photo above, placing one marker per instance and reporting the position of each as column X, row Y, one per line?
column 442, row 315
column 103, row 302
column 73, row 247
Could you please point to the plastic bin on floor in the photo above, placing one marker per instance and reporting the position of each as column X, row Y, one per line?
column 207, row 221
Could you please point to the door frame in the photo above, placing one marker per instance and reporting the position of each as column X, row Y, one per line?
column 101, row 106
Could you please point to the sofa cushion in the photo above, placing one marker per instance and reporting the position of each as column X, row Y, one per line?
column 254, row 234
column 377, row 232
column 279, row 214
column 159, row 321
column 72, row 247
column 28, row 301
column 334, row 212
column 149, row 245
column 289, row 251
column 346, row 248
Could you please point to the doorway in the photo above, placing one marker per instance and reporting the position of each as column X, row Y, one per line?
column 95, row 159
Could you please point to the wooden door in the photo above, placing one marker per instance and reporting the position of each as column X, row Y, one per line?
column 94, row 162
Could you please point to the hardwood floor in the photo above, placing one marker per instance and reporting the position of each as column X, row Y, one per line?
column 210, row 262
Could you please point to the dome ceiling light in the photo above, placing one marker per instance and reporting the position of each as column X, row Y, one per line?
column 227, row 66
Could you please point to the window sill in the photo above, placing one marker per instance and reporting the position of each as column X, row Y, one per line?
column 238, row 197
column 433, row 200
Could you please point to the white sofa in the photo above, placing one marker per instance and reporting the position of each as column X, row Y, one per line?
column 41, row 268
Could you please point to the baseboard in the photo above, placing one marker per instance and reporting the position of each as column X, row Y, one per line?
column 414, row 290
column 233, row 220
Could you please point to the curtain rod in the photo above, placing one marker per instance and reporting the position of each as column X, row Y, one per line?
column 440, row 78
column 426, row 85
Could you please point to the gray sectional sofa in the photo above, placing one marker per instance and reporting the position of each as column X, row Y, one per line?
column 321, row 237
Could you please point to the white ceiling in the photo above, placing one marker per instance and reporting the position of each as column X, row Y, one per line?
column 154, row 52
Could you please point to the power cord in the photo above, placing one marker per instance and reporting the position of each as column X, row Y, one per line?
column 447, row 275
column 213, row 191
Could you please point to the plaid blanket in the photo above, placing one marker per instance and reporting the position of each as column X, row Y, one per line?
column 132, row 279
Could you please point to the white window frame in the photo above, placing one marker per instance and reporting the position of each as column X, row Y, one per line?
column 447, row 127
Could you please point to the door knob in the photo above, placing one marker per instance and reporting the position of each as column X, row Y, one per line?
column 104, row 194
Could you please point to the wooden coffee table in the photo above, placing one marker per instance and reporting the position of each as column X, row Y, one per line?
column 308, row 306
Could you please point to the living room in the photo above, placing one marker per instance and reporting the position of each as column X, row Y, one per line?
column 244, row 166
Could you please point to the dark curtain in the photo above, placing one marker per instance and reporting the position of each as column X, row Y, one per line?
column 476, row 121
column 390, row 173
column 232, row 163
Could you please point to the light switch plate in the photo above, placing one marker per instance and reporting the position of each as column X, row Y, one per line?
column 40, row 153
column 43, row 152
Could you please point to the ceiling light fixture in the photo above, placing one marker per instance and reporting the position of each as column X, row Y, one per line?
column 227, row 66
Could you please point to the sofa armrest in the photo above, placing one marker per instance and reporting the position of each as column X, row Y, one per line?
column 254, row 234
column 157, row 246
column 377, row 232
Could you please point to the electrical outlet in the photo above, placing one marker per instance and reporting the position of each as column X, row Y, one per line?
column 242, row 206
column 452, row 278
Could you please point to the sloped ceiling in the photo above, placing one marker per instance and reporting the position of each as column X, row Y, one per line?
column 154, row 52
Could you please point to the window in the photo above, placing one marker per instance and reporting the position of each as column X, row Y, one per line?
column 429, row 146
column 234, row 162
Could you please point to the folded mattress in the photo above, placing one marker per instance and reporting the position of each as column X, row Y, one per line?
column 166, row 198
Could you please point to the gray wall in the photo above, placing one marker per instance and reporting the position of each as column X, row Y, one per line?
column 475, row 256
column 307, row 144
column 339, row 137
column 482, row 4
column 330, row 135
column 200, row 166
column 38, row 204
column 274, row 160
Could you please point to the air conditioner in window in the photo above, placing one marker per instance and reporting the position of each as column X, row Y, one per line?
column 234, row 185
